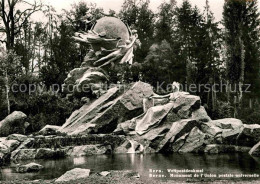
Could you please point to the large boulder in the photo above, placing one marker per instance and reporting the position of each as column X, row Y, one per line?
column 224, row 131
column 118, row 105
column 228, row 123
column 32, row 167
column 14, row 123
column 74, row 174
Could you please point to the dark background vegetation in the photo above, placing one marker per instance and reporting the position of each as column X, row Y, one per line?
column 179, row 43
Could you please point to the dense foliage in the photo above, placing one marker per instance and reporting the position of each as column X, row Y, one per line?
column 178, row 43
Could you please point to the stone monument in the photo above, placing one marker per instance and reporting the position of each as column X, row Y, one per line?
column 112, row 43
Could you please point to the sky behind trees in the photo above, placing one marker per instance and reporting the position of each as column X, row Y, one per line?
column 216, row 5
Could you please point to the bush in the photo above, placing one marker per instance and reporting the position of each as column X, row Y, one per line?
column 246, row 115
column 46, row 109
column 253, row 118
column 250, row 116
column 222, row 110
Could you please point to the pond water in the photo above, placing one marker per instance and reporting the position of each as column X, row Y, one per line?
column 211, row 164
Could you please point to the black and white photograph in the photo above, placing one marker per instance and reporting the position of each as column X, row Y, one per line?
column 129, row 91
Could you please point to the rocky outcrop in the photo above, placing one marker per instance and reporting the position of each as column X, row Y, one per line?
column 14, row 123
column 23, row 154
column 162, row 125
column 46, row 147
column 6, row 148
column 250, row 135
column 74, row 174
column 47, row 153
column 32, row 167
column 104, row 114
column 183, row 126
column 116, row 123
column 224, row 131
column 88, row 150
column 50, row 130
column 130, row 146
column 8, row 145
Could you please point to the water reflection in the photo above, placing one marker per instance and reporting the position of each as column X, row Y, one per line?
column 79, row 161
column 214, row 164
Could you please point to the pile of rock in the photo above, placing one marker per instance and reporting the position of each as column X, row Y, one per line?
column 115, row 123
column 179, row 126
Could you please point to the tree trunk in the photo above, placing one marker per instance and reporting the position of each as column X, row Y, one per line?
column 235, row 106
column 242, row 70
column 7, row 93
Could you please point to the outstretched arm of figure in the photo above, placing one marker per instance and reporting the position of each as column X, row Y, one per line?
column 112, row 55
column 160, row 97
column 110, row 61
column 78, row 39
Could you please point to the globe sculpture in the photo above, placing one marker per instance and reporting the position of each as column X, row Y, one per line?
column 111, row 28
column 112, row 43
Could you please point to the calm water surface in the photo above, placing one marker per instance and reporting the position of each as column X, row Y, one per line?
column 212, row 164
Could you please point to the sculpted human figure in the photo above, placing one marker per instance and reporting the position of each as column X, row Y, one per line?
column 112, row 43
column 111, row 36
column 125, row 51
column 172, row 96
column 149, row 102
column 153, row 113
